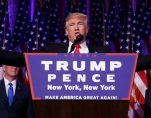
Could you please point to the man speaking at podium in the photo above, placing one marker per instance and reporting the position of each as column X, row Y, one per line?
column 76, row 28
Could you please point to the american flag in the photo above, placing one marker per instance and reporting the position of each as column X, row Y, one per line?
column 136, row 109
column 38, row 34
column 22, row 26
column 112, row 23
column 5, row 32
column 96, row 23
column 75, row 6
column 54, row 22
column 125, row 37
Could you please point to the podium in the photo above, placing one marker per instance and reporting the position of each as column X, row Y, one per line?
column 81, row 86
column 81, row 109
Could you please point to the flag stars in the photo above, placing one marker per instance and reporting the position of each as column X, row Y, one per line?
column 23, row 23
column 133, row 35
column 3, row 48
column 146, row 32
column 2, row 3
column 106, row 42
column 19, row 34
column 31, row 32
column 2, row 25
column 42, row 45
column 19, row 15
column 138, row 36
column 7, row 34
column 128, row 33
column 127, row 47
column 23, row 3
column 44, row 38
column 27, row 12
column 38, row 13
column 21, row 28
column 1, row 32
column 5, row 41
column 33, row 48
column 127, row 40
column 134, row 29
column 34, row 26
column 40, row 29
column 36, row 42
column 21, row 9
column 138, row 44
column 36, row 19
column 137, row 51
column 38, row 35
column 17, row 21
column 30, row 40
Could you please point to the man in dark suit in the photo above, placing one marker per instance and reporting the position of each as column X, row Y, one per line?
column 147, row 111
column 15, row 97
column 77, row 24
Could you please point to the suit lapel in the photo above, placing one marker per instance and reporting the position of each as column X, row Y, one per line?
column 65, row 49
column 91, row 50
column 17, row 92
column 3, row 96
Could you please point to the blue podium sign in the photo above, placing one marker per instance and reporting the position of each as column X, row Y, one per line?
column 62, row 76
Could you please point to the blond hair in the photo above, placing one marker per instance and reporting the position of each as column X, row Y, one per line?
column 76, row 15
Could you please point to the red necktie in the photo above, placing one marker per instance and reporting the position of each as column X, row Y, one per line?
column 77, row 47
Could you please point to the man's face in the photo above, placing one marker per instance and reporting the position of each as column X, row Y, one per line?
column 75, row 26
column 10, row 71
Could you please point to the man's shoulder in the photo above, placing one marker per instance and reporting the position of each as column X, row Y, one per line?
column 2, row 81
column 148, row 90
column 56, row 47
column 22, row 86
column 98, row 49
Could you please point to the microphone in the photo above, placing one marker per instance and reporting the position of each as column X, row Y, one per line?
column 78, row 39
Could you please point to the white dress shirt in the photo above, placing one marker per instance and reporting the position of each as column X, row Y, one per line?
column 7, row 85
column 83, row 49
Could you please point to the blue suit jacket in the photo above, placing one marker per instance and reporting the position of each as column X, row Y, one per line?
column 21, row 106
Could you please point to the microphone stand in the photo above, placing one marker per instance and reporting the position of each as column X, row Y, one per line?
column 78, row 39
